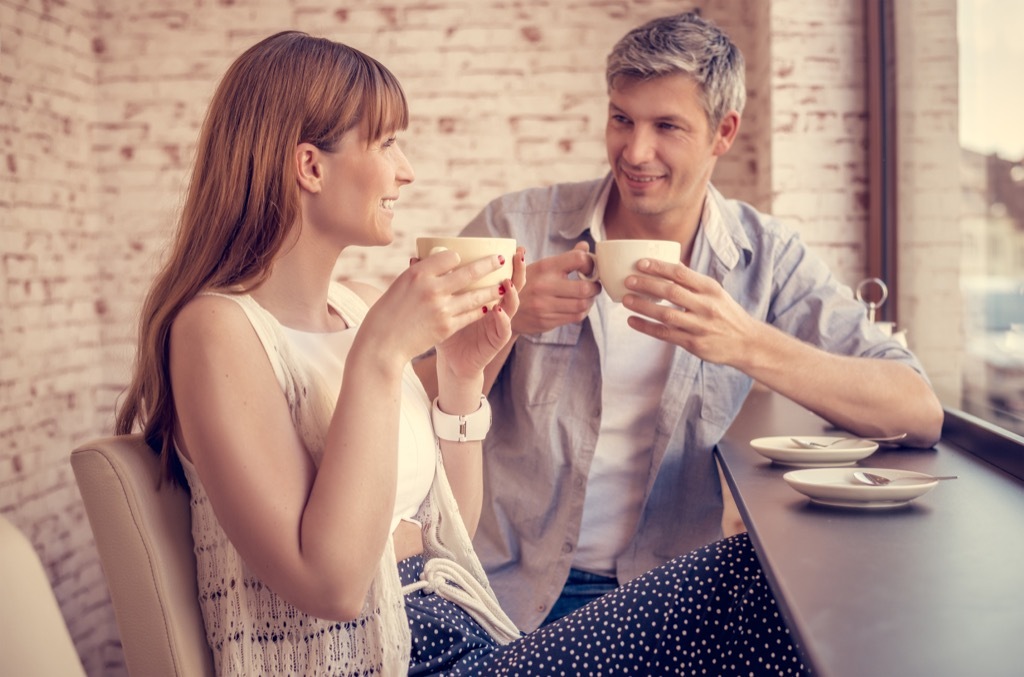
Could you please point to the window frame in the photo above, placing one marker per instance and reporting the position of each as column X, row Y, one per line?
column 985, row 439
column 882, row 252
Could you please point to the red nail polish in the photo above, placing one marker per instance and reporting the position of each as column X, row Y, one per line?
column 522, row 257
column 501, row 290
column 500, row 310
column 501, row 259
column 485, row 310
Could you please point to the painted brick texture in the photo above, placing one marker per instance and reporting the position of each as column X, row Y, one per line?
column 929, row 200
column 101, row 101
column 52, row 315
column 819, row 120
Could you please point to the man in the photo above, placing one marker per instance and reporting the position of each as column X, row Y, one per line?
column 599, row 465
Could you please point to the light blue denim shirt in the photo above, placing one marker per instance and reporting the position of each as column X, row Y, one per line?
column 547, row 400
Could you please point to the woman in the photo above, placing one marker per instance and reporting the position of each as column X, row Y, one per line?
column 288, row 404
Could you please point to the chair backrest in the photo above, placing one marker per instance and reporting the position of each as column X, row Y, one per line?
column 35, row 639
column 144, row 537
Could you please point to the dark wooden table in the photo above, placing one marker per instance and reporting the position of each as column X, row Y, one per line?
column 933, row 588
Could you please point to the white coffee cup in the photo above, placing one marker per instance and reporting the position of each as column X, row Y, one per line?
column 615, row 260
column 472, row 249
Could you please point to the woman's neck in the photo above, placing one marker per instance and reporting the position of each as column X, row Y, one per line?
column 296, row 291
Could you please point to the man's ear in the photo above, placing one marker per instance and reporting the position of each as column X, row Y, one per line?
column 726, row 133
column 308, row 170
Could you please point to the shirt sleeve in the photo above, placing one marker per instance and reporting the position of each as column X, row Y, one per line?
column 808, row 302
column 487, row 224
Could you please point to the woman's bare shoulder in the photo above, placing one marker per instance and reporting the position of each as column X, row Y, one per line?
column 209, row 316
column 367, row 292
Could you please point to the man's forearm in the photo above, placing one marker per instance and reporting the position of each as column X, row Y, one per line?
column 867, row 396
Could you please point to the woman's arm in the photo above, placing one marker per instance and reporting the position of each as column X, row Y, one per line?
column 314, row 535
column 460, row 373
column 463, row 461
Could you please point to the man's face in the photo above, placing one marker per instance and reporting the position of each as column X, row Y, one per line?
column 660, row 147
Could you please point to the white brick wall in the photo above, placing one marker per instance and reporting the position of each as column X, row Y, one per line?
column 101, row 100
column 818, row 110
column 51, row 317
column 928, row 202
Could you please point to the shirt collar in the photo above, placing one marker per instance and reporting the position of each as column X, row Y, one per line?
column 573, row 229
column 720, row 234
column 597, row 230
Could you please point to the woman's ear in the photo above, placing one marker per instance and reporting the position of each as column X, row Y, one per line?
column 307, row 167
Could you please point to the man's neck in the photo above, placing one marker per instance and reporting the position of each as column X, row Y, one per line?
column 622, row 224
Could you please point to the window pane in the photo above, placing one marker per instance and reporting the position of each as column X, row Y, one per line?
column 991, row 132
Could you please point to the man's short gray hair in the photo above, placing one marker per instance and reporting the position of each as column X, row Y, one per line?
column 684, row 43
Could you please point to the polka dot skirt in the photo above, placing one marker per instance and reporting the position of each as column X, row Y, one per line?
column 706, row 613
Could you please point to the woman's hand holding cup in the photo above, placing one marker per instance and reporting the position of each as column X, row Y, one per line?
column 430, row 301
column 469, row 350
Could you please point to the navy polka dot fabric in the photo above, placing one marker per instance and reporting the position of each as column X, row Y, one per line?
column 707, row 613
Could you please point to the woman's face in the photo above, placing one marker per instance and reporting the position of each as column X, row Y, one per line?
column 360, row 180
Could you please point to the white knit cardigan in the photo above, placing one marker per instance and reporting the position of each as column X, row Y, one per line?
column 254, row 631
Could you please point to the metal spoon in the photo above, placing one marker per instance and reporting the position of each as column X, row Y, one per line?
column 879, row 481
column 811, row 444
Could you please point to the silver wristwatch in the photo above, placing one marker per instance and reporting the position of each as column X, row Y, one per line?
column 462, row 428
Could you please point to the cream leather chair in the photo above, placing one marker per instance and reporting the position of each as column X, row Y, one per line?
column 144, row 537
column 35, row 639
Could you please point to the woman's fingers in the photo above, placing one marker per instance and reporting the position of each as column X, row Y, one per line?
column 438, row 285
column 453, row 274
column 478, row 299
column 519, row 268
column 509, row 298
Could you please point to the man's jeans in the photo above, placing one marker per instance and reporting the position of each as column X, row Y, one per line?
column 582, row 587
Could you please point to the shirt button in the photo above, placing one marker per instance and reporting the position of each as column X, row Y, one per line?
column 567, row 548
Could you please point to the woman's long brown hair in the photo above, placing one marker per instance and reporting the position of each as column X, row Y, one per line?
column 243, row 199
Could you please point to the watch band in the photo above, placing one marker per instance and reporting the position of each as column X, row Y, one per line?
column 462, row 427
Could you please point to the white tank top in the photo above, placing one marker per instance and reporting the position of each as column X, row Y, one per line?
column 416, row 454
column 254, row 631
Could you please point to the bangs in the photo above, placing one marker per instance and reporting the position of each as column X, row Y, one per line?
column 348, row 89
column 385, row 109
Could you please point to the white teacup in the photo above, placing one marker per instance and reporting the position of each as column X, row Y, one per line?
column 472, row 249
column 615, row 260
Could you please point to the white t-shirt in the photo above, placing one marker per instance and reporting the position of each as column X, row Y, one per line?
column 634, row 367
column 416, row 453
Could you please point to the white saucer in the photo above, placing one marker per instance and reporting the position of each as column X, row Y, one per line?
column 836, row 486
column 784, row 451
